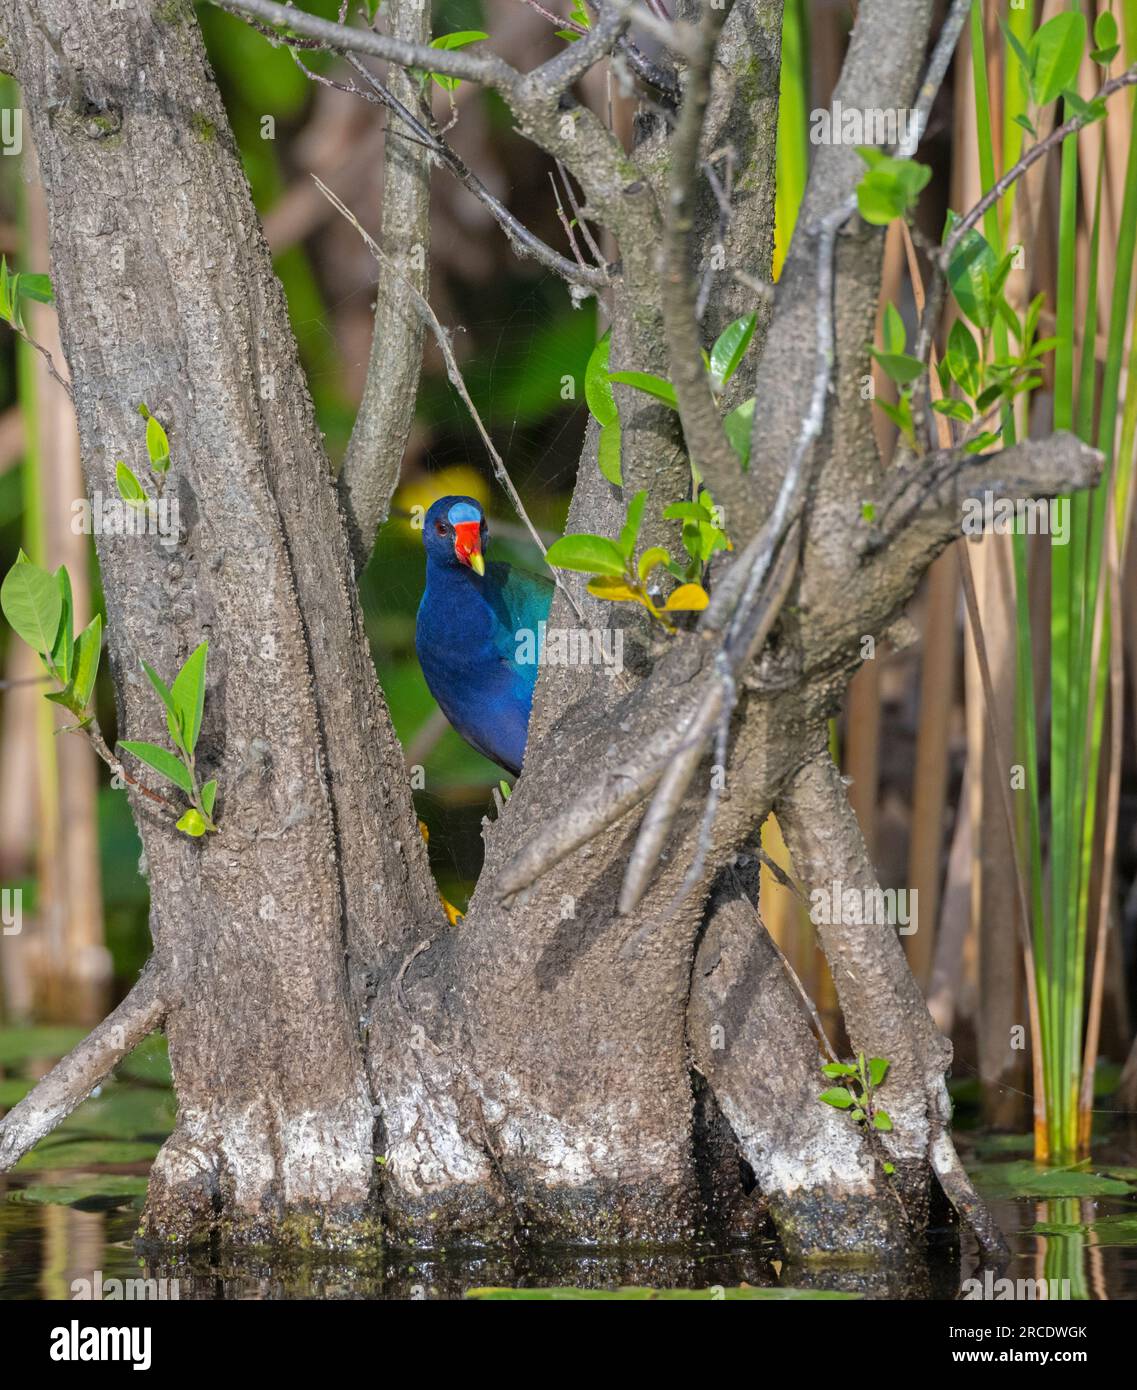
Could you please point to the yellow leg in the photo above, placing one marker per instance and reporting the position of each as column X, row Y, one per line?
column 453, row 916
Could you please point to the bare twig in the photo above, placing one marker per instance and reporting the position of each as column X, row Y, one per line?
column 468, row 63
column 942, row 257
column 455, row 376
column 731, row 608
column 524, row 241
column 578, row 214
column 47, row 357
column 1032, row 156
column 99, row 744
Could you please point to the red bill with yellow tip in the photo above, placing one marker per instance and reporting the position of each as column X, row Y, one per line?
column 468, row 545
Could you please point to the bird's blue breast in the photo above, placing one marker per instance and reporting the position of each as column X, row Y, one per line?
column 476, row 641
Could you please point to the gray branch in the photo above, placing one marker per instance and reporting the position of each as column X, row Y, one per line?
column 74, row 1078
column 374, row 456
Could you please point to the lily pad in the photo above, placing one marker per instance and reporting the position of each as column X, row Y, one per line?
column 1025, row 1179
column 12, row 1091
column 124, row 1112
column 1002, row 1143
column 19, row 1044
column 96, row 1193
column 634, row 1294
column 150, row 1061
column 1107, row 1230
column 85, row 1153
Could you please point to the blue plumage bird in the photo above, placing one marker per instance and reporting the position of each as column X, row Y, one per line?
column 478, row 631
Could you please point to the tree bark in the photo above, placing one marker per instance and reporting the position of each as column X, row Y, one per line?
column 166, row 295
column 549, row 1069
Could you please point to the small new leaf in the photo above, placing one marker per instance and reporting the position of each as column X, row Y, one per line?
column 730, row 348
column 129, row 488
column 191, row 823
column 587, row 554
column 157, row 446
column 629, row 532
column 878, row 1070
column 188, row 694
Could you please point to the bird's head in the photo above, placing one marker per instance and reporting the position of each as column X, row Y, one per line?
column 454, row 533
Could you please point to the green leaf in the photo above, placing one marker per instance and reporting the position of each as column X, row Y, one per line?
column 1010, row 318
column 1017, row 48
column 161, row 760
column 901, row 416
column 737, row 427
column 1105, row 30
column 7, row 304
column 1023, row 1178
column 983, row 441
column 1089, row 111
column 730, row 348
column 88, row 650
column 209, row 795
column 192, row 823
column 188, row 692
column 1055, row 51
column 972, row 273
column 890, row 1168
column 64, row 648
column 100, row 1193
column 878, row 1070
column 157, row 446
column 31, row 602
column 890, row 188
column 160, row 686
column 597, row 387
column 630, row 531
column 1104, row 56
column 653, row 556
column 838, row 1097
column 954, row 410
column 900, row 368
column 608, row 453
column 1025, row 123
column 687, row 511
column 894, row 336
column 836, row 1069
column 881, row 1120
column 963, row 357
column 459, row 39
column 653, row 385
column 588, row 554
column 37, row 287
column 129, row 488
